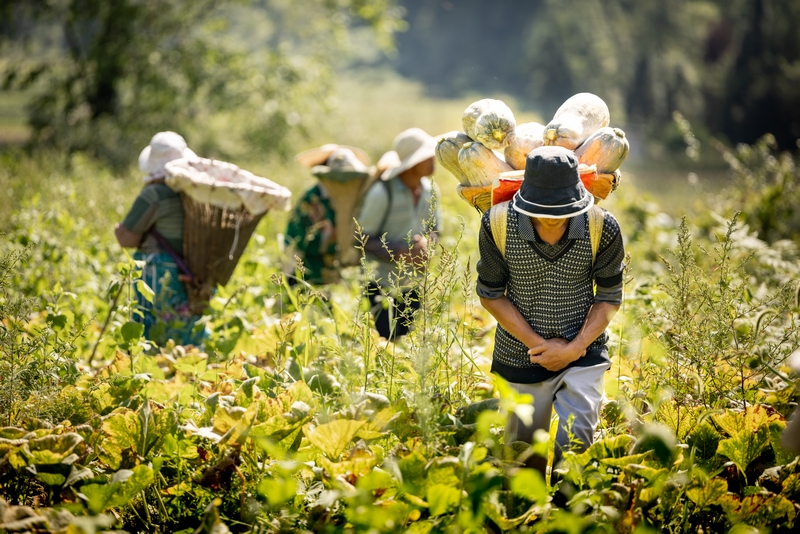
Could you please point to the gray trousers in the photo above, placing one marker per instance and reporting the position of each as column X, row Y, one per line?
column 577, row 392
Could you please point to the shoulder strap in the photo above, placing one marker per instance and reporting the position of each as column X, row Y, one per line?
column 388, row 189
column 164, row 244
column 498, row 219
column 596, row 219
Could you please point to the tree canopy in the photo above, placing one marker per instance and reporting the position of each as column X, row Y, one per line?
column 730, row 67
column 235, row 74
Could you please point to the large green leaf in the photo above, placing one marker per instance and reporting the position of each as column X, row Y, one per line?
column 762, row 510
column 12, row 432
column 240, row 430
column 358, row 463
column 278, row 490
column 446, row 471
column 441, row 498
column 412, row 469
column 709, row 493
column 122, row 434
column 750, row 420
column 52, row 449
column 123, row 486
column 529, row 483
column 611, row 447
column 744, row 447
column 334, row 437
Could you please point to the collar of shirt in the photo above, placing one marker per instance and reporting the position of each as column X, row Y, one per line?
column 576, row 229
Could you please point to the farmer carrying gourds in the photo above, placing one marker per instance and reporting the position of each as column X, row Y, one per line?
column 551, row 339
column 154, row 226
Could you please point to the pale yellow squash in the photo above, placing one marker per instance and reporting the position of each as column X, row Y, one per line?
column 447, row 153
column 577, row 118
column 490, row 122
column 527, row 136
column 479, row 164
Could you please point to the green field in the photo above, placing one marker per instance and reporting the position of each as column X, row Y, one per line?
column 296, row 417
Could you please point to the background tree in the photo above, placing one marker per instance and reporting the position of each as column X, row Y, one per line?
column 730, row 67
column 104, row 76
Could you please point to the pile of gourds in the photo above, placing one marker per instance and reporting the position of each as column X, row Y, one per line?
column 493, row 147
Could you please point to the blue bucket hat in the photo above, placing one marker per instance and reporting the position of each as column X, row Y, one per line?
column 552, row 186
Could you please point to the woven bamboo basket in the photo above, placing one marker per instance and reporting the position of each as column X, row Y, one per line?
column 345, row 196
column 222, row 205
column 214, row 239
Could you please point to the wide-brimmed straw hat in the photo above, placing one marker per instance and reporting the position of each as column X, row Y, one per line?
column 552, row 186
column 318, row 156
column 163, row 148
column 343, row 164
column 412, row 147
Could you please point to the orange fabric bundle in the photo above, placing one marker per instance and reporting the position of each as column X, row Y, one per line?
column 506, row 185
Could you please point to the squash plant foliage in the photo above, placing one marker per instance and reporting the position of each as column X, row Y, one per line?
column 298, row 418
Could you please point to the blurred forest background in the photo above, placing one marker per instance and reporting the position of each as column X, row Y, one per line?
column 260, row 79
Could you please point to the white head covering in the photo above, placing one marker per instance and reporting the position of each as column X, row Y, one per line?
column 412, row 146
column 163, row 148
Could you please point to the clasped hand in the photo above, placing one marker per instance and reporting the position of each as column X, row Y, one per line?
column 554, row 354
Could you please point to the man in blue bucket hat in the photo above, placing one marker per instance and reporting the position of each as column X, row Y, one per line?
column 542, row 253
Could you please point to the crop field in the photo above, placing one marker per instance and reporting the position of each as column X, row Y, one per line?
column 296, row 417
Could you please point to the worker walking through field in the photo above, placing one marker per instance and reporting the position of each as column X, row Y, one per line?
column 541, row 252
column 311, row 233
column 401, row 206
column 154, row 226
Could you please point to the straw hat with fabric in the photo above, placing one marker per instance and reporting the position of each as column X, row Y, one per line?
column 163, row 148
column 412, row 147
column 552, row 186
column 319, row 155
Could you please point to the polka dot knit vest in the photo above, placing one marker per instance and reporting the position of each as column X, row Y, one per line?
column 552, row 293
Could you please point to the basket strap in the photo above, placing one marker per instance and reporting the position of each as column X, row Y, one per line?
column 164, row 244
column 498, row 220
column 596, row 217
column 387, row 186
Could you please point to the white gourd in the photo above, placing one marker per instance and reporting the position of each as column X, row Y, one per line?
column 494, row 128
column 479, row 164
column 527, row 136
column 471, row 114
column 577, row 118
column 447, row 153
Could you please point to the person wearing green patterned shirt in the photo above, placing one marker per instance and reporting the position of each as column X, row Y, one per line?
column 311, row 231
column 154, row 226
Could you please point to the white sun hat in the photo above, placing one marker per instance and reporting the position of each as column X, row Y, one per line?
column 163, row 148
column 412, row 146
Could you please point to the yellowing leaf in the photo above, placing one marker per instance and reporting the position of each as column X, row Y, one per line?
column 753, row 418
column 332, row 438
column 744, row 447
column 52, row 449
column 708, row 494
column 122, row 433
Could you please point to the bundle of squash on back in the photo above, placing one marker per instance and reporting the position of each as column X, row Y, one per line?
column 488, row 157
